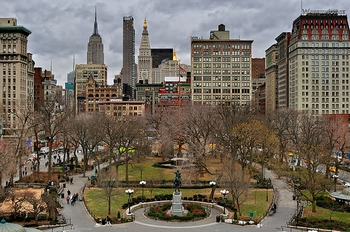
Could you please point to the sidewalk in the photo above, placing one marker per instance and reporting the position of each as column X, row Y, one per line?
column 285, row 205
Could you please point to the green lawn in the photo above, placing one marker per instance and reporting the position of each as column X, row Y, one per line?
column 96, row 202
column 326, row 214
column 255, row 201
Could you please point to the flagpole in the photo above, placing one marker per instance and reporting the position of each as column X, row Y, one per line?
column 179, row 108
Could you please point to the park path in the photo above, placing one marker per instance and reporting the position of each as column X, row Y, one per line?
column 81, row 220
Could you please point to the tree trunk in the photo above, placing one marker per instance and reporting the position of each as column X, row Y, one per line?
column 127, row 168
column 313, row 205
column 50, row 160
column 109, row 205
column 238, row 207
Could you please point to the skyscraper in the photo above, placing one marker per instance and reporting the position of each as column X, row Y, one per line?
column 128, row 77
column 144, row 65
column 95, row 46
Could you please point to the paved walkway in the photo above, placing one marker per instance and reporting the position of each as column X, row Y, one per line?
column 82, row 221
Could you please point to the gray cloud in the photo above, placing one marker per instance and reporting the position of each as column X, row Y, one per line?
column 62, row 28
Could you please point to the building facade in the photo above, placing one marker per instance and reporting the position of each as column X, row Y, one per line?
column 271, row 78
column 283, row 70
column 258, row 72
column 129, row 66
column 96, row 93
column 82, row 72
column 221, row 69
column 16, row 75
column 120, row 108
column 95, row 53
column 44, row 88
column 319, row 62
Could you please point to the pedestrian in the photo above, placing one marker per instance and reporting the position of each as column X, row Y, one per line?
column 68, row 192
column 108, row 221
column 71, row 180
column 68, row 198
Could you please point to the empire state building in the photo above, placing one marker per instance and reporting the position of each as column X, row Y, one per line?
column 95, row 53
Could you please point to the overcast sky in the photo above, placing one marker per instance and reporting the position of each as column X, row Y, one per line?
column 62, row 28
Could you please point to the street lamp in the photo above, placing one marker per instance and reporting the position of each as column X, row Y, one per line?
column 142, row 183
column 212, row 185
column 224, row 192
column 129, row 191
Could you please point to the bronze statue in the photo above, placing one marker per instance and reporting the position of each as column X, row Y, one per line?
column 177, row 181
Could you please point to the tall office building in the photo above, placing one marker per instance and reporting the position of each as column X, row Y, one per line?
column 144, row 65
column 129, row 76
column 221, row 69
column 283, row 41
column 318, row 62
column 271, row 78
column 16, row 75
column 95, row 53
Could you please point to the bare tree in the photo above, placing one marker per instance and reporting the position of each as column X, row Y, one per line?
column 52, row 118
column 307, row 135
column 237, row 182
column 36, row 203
column 17, row 200
column 107, row 180
column 280, row 121
column 197, row 126
column 154, row 180
column 87, row 132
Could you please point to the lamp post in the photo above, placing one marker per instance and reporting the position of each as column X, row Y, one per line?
column 212, row 185
column 224, row 192
column 129, row 191
column 142, row 183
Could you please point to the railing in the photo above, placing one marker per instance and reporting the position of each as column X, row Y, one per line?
column 148, row 205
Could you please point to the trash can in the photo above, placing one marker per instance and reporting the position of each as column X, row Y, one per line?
column 217, row 218
column 62, row 195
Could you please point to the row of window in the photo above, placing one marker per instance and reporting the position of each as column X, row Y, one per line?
column 325, row 106
column 324, row 75
column 219, row 78
column 326, row 45
column 222, row 53
column 209, row 71
column 206, row 91
column 218, row 84
column 325, row 94
column 326, row 57
column 325, row 100
column 324, row 37
column 223, row 46
column 8, row 41
column 221, row 59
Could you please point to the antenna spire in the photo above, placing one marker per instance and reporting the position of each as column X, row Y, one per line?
column 95, row 24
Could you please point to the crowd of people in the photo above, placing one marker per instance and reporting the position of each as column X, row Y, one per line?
column 71, row 198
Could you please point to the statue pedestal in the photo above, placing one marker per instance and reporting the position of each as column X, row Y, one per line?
column 177, row 208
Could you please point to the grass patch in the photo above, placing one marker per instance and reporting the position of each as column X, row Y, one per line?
column 255, row 201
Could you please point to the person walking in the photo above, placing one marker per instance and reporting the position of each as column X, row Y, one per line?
column 71, row 180
column 108, row 221
column 68, row 192
column 67, row 199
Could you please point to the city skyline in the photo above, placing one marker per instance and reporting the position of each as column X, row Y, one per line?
column 61, row 30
